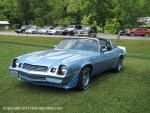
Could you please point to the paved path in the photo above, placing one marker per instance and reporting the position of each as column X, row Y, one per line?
column 102, row 35
column 34, row 35
column 115, row 36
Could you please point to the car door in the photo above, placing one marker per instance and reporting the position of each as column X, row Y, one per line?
column 139, row 32
column 148, row 31
column 136, row 32
column 142, row 32
column 106, row 58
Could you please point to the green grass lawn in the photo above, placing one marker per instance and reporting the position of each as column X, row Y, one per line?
column 124, row 92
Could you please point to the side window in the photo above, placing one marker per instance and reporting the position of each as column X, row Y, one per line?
column 105, row 45
column 109, row 47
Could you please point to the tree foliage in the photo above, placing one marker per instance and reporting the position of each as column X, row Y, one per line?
column 105, row 14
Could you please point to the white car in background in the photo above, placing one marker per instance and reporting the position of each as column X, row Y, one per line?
column 56, row 31
column 44, row 30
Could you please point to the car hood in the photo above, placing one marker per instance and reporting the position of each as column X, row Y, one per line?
column 52, row 30
column 29, row 30
column 52, row 57
column 43, row 30
column 82, row 30
column 70, row 29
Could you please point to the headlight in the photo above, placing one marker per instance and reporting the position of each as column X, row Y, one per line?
column 62, row 70
column 15, row 63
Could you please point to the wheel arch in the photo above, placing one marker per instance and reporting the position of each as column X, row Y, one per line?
column 88, row 65
column 121, row 56
column 79, row 84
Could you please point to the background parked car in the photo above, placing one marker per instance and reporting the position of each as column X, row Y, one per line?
column 56, row 31
column 73, row 29
column 124, row 32
column 44, row 30
column 88, row 31
column 139, row 32
column 23, row 28
column 33, row 30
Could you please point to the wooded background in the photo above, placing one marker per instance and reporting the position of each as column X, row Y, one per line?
column 108, row 15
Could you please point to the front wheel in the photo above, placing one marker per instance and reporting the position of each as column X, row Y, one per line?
column 119, row 65
column 71, row 33
column 132, row 34
column 84, row 78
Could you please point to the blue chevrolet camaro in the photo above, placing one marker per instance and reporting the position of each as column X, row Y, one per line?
column 71, row 64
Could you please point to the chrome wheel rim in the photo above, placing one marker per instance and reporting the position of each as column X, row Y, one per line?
column 119, row 65
column 86, row 77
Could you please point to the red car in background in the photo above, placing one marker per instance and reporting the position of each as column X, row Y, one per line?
column 139, row 32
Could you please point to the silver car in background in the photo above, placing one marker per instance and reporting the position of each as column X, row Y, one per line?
column 44, row 30
column 56, row 31
column 33, row 30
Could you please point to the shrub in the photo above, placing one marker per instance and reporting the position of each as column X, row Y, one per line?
column 112, row 26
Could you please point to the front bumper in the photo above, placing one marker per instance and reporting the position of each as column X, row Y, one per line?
column 66, row 82
column 51, row 33
column 42, row 32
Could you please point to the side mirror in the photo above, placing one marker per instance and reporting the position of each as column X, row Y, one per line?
column 109, row 48
column 103, row 49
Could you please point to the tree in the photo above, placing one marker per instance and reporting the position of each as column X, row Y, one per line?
column 63, row 12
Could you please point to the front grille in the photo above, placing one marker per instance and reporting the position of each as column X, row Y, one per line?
column 31, row 77
column 35, row 67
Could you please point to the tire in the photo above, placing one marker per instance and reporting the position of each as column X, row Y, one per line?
column 124, row 34
column 84, row 78
column 92, row 35
column 132, row 34
column 57, row 33
column 23, row 32
column 119, row 65
column 71, row 33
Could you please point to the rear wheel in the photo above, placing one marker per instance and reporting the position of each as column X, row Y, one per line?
column 84, row 78
column 57, row 33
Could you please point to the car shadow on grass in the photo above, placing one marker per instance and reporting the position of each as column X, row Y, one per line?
column 102, row 77
column 53, row 90
column 44, row 89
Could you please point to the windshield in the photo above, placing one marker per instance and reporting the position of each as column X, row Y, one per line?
column 79, row 44
column 23, row 27
column 31, row 28
column 85, row 28
column 57, row 28
column 71, row 26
